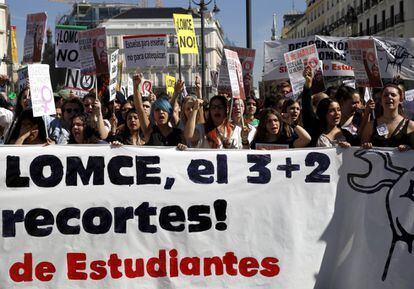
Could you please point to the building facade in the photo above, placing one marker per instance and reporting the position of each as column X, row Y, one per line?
column 140, row 21
column 5, row 56
column 388, row 18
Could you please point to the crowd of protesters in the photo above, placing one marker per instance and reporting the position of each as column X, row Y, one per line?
column 337, row 117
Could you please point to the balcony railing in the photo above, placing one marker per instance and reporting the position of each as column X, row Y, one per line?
column 359, row 10
column 381, row 26
column 399, row 18
column 367, row 5
column 374, row 2
column 372, row 30
column 389, row 22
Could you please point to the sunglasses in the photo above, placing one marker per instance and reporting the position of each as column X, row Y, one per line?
column 70, row 110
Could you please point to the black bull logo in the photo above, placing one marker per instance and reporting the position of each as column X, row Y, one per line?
column 399, row 195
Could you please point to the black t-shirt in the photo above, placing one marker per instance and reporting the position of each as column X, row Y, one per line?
column 157, row 139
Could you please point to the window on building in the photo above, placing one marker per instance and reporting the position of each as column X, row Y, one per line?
column 361, row 32
column 375, row 22
column 171, row 59
column 115, row 42
column 327, row 5
column 368, row 26
column 383, row 19
column 392, row 15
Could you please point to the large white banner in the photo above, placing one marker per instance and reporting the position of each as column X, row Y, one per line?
column 395, row 56
column 95, row 217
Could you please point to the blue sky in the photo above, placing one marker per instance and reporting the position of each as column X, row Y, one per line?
column 232, row 18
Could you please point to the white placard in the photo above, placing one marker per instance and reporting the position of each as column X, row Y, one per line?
column 145, row 51
column 43, row 102
column 113, row 74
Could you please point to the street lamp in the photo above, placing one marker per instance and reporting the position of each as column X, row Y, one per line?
column 202, row 9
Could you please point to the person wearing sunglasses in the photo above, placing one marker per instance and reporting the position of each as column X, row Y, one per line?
column 61, row 127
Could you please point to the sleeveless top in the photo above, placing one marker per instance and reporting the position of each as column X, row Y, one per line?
column 399, row 135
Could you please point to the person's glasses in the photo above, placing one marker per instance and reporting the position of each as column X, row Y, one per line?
column 70, row 110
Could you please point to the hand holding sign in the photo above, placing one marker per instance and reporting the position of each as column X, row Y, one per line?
column 308, row 75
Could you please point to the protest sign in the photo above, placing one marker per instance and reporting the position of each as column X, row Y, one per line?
column 113, row 74
column 43, row 102
column 14, row 50
column 296, row 62
column 22, row 79
column 232, row 70
column 145, row 87
column 145, row 51
column 170, row 84
column 67, row 46
column 93, row 51
column 135, row 218
column 395, row 55
column 187, row 40
column 33, row 40
column 408, row 104
column 78, row 83
column 246, row 57
column 267, row 146
column 364, row 60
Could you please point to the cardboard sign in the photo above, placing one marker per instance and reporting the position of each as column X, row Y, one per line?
column 33, row 40
column 246, row 57
column 235, row 73
column 266, row 146
column 170, row 84
column 22, row 78
column 145, row 51
column 79, row 83
column 113, row 74
column 146, row 87
column 93, row 51
column 363, row 55
column 67, row 46
column 43, row 102
column 296, row 62
column 187, row 40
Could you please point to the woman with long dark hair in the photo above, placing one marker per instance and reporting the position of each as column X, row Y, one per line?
column 329, row 116
column 271, row 131
column 390, row 128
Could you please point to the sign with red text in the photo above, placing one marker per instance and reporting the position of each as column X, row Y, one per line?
column 395, row 56
column 136, row 217
column 33, row 40
column 231, row 73
column 145, row 51
column 246, row 57
column 364, row 60
column 296, row 62
column 43, row 102
column 79, row 84
column 93, row 52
